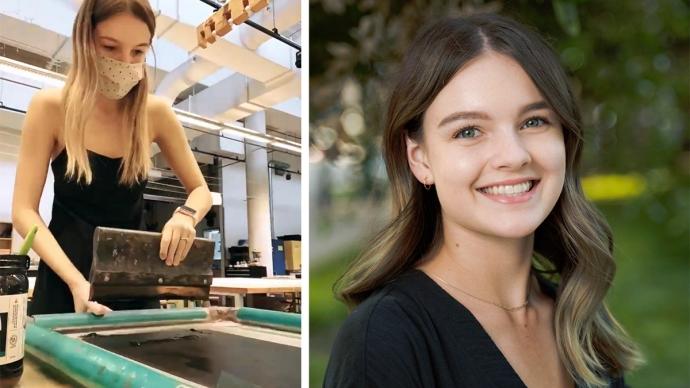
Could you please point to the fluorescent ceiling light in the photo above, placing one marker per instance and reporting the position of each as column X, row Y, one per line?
column 233, row 131
column 292, row 143
column 197, row 122
column 286, row 146
column 264, row 138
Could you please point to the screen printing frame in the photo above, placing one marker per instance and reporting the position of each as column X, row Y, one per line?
column 54, row 340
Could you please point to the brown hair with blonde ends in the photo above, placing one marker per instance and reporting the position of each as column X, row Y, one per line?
column 574, row 243
column 81, row 88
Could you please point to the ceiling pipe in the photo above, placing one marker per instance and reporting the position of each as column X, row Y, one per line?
column 184, row 76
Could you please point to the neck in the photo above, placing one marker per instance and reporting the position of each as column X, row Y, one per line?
column 491, row 268
column 107, row 106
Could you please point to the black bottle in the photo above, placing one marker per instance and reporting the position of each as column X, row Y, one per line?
column 14, row 288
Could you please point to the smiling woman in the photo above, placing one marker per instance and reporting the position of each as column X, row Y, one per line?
column 499, row 143
column 95, row 134
column 494, row 269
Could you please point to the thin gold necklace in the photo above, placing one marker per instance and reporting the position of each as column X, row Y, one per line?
column 509, row 309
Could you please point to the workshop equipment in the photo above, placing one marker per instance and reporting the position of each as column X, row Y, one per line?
column 126, row 265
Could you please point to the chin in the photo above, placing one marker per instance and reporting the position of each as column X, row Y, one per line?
column 511, row 233
column 511, row 227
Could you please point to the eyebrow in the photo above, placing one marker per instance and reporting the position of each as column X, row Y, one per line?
column 117, row 41
column 475, row 115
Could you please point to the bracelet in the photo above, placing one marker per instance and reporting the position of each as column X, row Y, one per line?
column 186, row 210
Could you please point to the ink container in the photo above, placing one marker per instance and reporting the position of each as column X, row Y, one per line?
column 14, row 288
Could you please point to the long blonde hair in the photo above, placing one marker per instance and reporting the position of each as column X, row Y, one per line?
column 574, row 244
column 81, row 88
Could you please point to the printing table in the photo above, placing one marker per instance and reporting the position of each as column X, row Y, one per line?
column 197, row 347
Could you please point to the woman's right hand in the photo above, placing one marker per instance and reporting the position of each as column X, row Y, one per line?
column 80, row 294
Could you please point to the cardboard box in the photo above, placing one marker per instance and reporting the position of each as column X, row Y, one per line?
column 293, row 255
column 5, row 244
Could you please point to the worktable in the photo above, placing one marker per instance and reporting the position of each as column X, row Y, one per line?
column 40, row 374
column 238, row 288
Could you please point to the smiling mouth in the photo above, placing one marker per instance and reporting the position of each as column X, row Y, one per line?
column 510, row 190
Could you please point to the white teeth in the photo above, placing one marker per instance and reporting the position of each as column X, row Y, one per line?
column 511, row 190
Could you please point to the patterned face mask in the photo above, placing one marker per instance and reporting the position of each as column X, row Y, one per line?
column 117, row 78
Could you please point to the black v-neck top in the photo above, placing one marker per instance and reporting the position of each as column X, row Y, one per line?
column 412, row 333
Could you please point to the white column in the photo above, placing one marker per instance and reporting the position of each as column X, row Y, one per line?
column 258, row 196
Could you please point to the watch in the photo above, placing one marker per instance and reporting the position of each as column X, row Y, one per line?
column 186, row 210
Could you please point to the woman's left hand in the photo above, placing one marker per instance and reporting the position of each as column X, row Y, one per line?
column 177, row 238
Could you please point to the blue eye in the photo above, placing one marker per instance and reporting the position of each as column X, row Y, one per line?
column 466, row 133
column 535, row 122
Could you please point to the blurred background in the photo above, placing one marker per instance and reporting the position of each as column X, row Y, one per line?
column 628, row 62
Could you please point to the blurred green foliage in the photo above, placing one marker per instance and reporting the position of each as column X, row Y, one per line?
column 629, row 67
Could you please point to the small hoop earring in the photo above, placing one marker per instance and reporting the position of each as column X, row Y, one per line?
column 426, row 185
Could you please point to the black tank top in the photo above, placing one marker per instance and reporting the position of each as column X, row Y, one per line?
column 77, row 210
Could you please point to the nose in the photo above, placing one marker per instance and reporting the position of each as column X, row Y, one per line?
column 510, row 151
column 133, row 58
column 118, row 55
column 124, row 56
column 128, row 58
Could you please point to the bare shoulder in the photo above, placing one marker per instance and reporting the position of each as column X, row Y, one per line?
column 157, row 106
column 158, row 110
column 48, row 100
column 44, row 115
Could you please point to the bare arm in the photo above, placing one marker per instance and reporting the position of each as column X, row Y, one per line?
column 170, row 137
column 37, row 142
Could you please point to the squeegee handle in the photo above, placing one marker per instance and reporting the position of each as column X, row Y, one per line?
column 29, row 241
